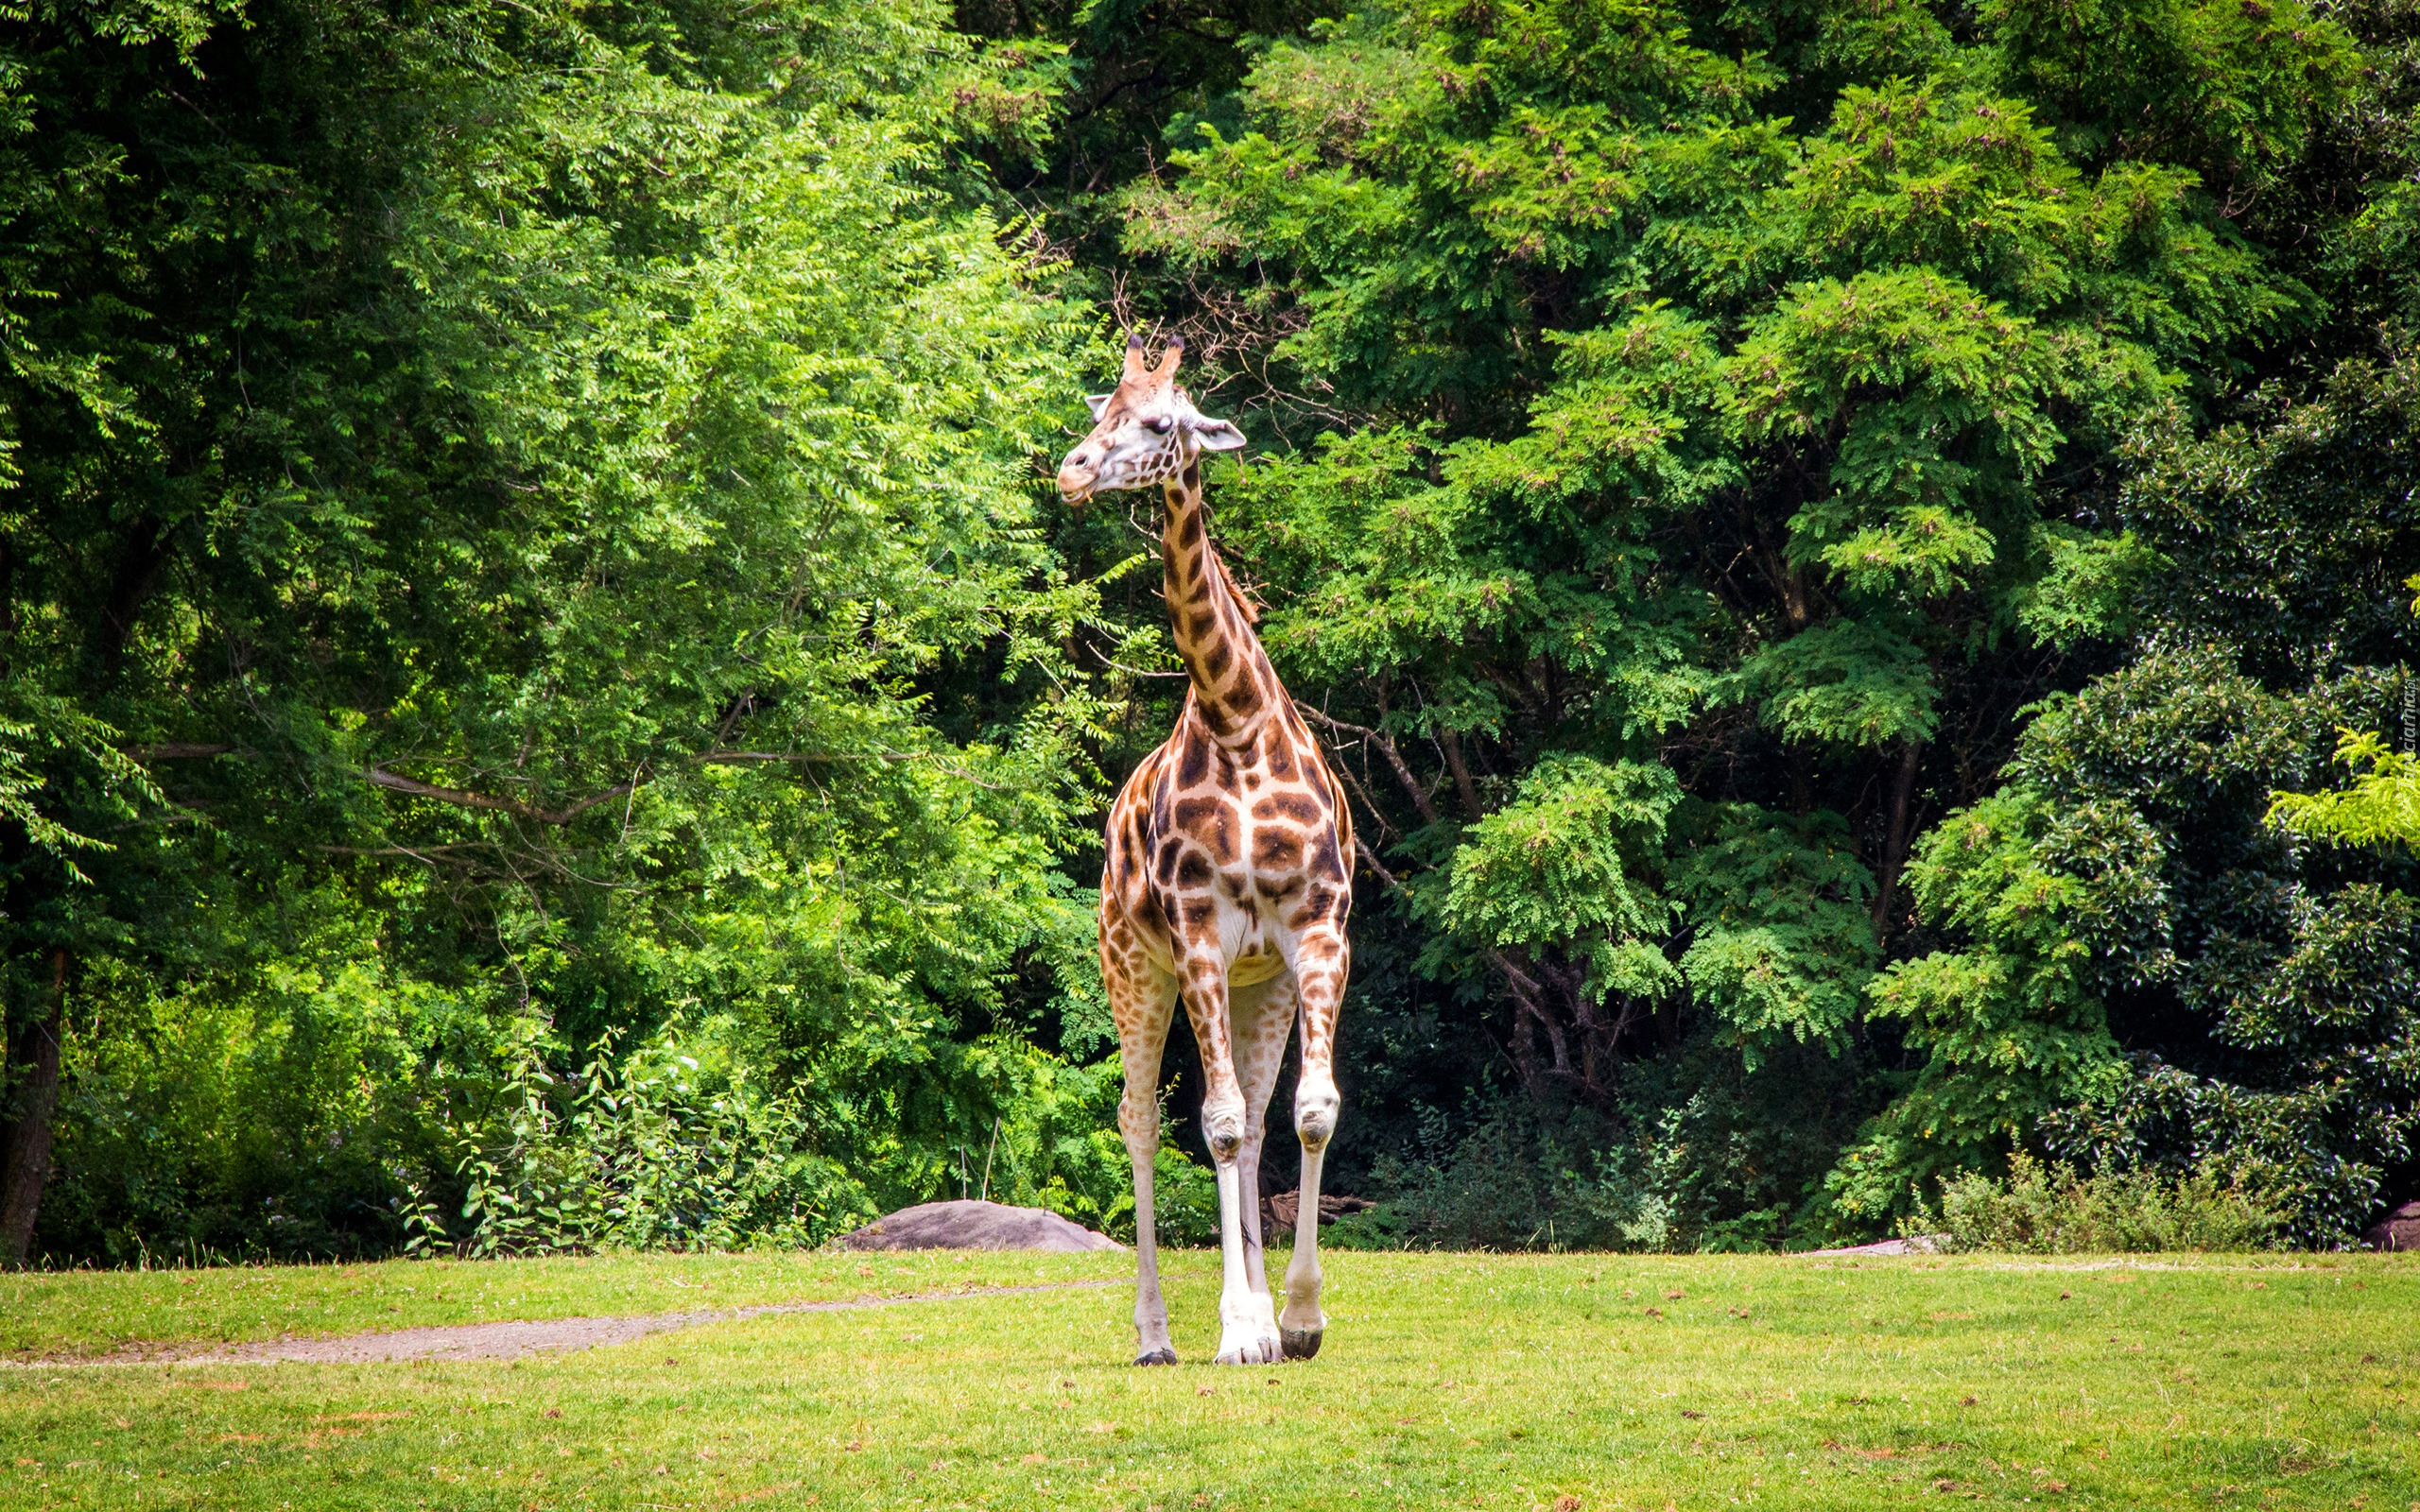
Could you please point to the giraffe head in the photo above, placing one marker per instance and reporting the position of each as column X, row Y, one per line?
column 1144, row 432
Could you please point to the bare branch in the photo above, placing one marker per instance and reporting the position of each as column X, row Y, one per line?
column 1386, row 748
column 1452, row 744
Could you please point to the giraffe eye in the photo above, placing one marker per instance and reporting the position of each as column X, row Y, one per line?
column 1160, row 423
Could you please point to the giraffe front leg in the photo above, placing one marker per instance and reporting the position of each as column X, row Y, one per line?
column 1302, row 1325
column 1322, row 970
column 1247, row 1332
column 1244, row 1334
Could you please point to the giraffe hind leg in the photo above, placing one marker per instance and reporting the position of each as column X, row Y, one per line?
column 1144, row 1004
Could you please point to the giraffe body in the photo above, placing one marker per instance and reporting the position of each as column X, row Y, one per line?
column 1226, row 890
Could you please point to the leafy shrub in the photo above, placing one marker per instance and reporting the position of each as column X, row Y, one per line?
column 1056, row 1145
column 1383, row 1226
column 661, row 1153
column 643, row 1155
column 2055, row 1209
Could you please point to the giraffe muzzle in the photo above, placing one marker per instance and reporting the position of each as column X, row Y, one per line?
column 1078, row 479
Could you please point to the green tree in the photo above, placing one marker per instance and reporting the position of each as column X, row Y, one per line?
column 1816, row 534
column 516, row 527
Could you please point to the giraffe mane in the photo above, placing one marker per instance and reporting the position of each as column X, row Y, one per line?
column 1245, row 605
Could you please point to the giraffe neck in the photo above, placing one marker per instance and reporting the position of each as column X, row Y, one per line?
column 1232, row 680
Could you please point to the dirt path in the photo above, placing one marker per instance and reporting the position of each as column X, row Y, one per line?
column 505, row 1341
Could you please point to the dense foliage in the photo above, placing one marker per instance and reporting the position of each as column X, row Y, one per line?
column 517, row 530
column 542, row 703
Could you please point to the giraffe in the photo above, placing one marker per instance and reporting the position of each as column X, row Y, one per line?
column 1226, row 887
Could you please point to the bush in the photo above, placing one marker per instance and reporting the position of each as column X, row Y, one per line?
column 2054, row 1210
column 643, row 1155
column 1053, row 1141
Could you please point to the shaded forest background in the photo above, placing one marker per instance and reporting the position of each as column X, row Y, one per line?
column 545, row 700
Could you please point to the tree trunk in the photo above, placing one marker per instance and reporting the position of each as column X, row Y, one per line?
column 1900, row 837
column 1452, row 744
column 32, row 1093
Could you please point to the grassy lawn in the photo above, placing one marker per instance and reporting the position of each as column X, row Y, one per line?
column 1459, row 1380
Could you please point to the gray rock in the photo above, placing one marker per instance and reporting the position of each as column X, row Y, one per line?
column 976, row 1226
column 2399, row 1229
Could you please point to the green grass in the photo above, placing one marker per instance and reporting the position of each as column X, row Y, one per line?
column 1447, row 1382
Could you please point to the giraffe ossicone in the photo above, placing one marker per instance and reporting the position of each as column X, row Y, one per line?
column 1228, row 882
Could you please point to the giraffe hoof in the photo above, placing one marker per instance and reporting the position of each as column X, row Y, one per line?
column 1162, row 1355
column 1300, row 1343
column 1259, row 1350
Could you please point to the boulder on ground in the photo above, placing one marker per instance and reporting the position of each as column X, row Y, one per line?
column 2399, row 1229
column 976, row 1226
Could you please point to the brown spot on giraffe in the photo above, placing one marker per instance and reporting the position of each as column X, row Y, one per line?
column 1210, row 822
column 1237, row 907
column 1276, row 852
column 1303, row 808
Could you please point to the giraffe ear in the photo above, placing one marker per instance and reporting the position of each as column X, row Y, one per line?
column 1216, row 436
column 1096, row 402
